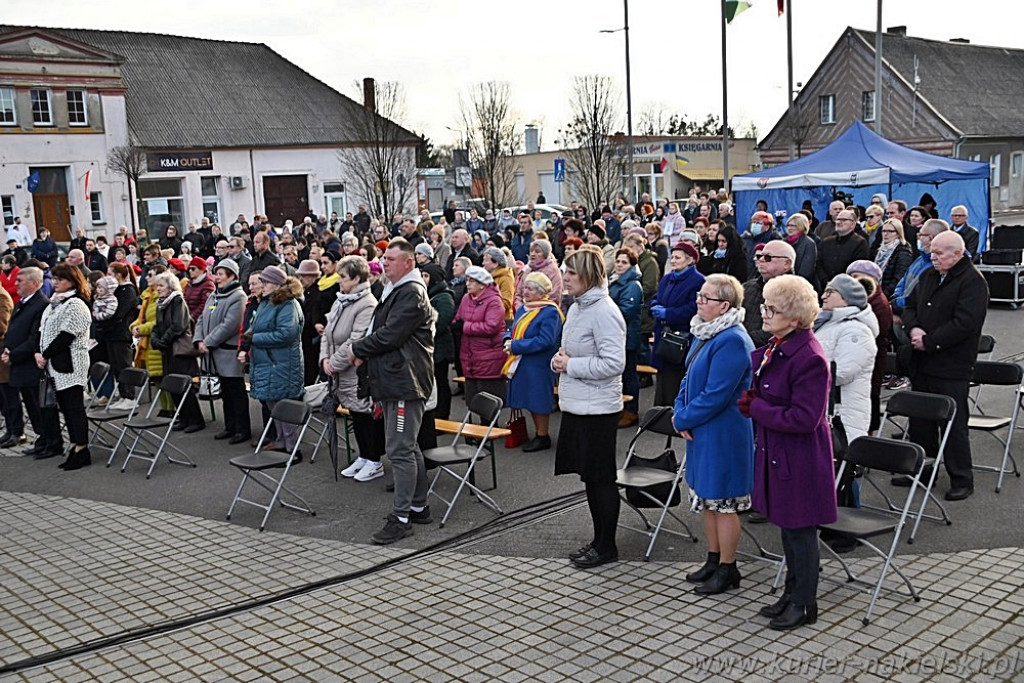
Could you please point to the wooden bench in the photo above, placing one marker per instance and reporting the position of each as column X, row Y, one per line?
column 646, row 370
column 625, row 397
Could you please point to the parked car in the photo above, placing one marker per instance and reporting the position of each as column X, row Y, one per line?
column 545, row 209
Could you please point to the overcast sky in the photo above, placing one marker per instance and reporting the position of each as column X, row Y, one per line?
column 438, row 48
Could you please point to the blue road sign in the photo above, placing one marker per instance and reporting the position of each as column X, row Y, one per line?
column 559, row 170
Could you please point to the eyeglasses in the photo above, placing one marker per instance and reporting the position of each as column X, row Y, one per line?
column 959, row 215
column 768, row 312
column 768, row 258
column 888, row 231
column 703, row 298
column 828, row 292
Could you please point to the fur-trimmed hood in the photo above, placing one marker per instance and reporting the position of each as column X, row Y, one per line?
column 291, row 289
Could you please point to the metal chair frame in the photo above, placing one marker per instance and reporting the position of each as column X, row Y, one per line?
column 992, row 373
column 144, row 428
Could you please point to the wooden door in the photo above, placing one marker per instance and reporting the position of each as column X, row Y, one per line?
column 285, row 196
column 53, row 214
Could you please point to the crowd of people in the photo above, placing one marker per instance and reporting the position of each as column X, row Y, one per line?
column 749, row 331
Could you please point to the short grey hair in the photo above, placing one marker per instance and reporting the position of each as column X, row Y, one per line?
column 354, row 267
column 168, row 280
column 33, row 274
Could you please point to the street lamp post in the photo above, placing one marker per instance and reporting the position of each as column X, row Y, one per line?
column 629, row 100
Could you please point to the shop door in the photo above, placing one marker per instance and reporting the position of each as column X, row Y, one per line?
column 50, row 202
column 284, row 197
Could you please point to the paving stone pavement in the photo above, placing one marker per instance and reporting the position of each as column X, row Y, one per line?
column 76, row 571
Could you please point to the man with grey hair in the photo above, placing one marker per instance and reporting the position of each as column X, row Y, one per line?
column 827, row 227
column 460, row 247
column 76, row 258
column 958, row 214
column 725, row 214
column 774, row 258
column 843, row 247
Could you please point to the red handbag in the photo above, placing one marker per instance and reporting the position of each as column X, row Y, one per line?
column 517, row 425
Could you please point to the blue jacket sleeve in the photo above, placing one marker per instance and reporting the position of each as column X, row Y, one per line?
column 631, row 302
column 730, row 369
column 546, row 337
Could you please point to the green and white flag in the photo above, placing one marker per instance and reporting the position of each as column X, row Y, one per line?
column 734, row 7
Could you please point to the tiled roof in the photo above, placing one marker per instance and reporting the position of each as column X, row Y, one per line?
column 189, row 92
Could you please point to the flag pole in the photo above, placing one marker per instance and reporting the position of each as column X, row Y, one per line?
column 789, row 66
column 878, row 71
column 725, row 108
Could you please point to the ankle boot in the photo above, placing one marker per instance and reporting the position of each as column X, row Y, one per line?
column 705, row 572
column 774, row 610
column 725, row 578
column 794, row 616
column 77, row 460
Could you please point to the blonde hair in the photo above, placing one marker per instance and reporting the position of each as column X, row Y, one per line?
column 801, row 222
column 588, row 262
column 897, row 225
column 874, row 209
column 796, row 297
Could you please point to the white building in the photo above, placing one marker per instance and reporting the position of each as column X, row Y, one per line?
column 229, row 128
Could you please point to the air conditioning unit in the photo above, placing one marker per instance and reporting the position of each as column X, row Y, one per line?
column 238, row 182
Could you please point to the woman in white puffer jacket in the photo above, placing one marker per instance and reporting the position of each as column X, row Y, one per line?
column 846, row 330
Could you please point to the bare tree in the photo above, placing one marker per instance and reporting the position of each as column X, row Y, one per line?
column 798, row 127
column 593, row 158
column 383, row 164
column 129, row 162
column 655, row 119
column 493, row 135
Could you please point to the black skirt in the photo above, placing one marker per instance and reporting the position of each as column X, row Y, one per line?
column 586, row 446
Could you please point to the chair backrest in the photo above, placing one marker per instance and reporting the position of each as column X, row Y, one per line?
column 291, row 412
column 887, row 455
column 133, row 377
column 176, row 385
column 486, row 406
column 995, row 372
column 98, row 371
column 986, row 344
column 658, row 420
column 921, row 405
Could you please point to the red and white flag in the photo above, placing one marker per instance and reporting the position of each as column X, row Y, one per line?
column 88, row 177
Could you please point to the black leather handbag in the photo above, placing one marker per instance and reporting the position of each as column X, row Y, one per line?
column 673, row 347
column 47, row 392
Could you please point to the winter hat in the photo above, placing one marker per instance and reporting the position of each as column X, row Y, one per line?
column 688, row 249
column 628, row 224
column 308, row 267
column 229, row 265
column 376, row 268
column 853, row 292
column 108, row 283
column 540, row 279
column 274, row 275
column 498, row 240
column 177, row 264
column 598, row 230
column 382, row 245
column 869, row 268
column 425, row 249
column 197, row 262
column 690, row 235
column 480, row 275
column 496, row 255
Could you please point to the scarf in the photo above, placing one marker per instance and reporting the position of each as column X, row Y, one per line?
column 823, row 317
column 704, row 330
column 543, row 263
column 884, row 253
column 162, row 301
column 533, row 309
column 328, row 281
column 58, row 299
column 343, row 301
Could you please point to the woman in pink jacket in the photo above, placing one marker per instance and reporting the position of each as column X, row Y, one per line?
column 481, row 320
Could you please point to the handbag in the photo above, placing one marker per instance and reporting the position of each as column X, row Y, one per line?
column 47, row 392
column 517, row 425
column 673, row 347
column 665, row 461
column 209, row 382
column 182, row 347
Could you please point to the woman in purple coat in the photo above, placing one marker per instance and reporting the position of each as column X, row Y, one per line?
column 794, row 480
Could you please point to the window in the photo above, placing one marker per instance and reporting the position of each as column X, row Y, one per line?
column 334, row 198
column 1016, row 164
column 211, row 198
column 164, row 205
column 42, row 112
column 7, row 202
column 867, row 105
column 827, row 106
column 77, row 114
column 7, row 115
column 995, row 163
column 96, row 207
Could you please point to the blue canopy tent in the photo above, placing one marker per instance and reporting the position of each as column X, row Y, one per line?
column 862, row 163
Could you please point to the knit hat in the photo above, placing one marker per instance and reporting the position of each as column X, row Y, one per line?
column 108, row 283
column 598, row 230
column 690, row 235
column 865, row 267
column 197, row 262
column 274, row 275
column 331, row 255
column 496, row 255
column 376, row 268
column 425, row 249
column 229, row 265
column 853, row 292
column 308, row 267
column 628, row 224
column 687, row 249
column 381, row 245
column 177, row 264
column 539, row 278
column 480, row 275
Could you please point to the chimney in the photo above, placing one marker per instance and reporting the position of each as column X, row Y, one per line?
column 532, row 139
column 962, row 41
column 897, row 30
column 369, row 94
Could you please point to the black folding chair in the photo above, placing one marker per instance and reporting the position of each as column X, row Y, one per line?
column 154, row 431
column 256, row 466
column 992, row 373
column 98, row 373
column 102, row 418
column 862, row 525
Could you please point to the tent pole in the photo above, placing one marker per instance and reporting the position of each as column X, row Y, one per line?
column 725, row 109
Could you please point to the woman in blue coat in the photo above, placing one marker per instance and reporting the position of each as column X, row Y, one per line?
column 275, row 370
column 672, row 308
column 534, row 338
column 720, row 440
column 625, row 290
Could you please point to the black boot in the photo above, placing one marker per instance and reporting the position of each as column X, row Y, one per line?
column 794, row 616
column 774, row 610
column 725, row 578
column 705, row 572
column 77, row 460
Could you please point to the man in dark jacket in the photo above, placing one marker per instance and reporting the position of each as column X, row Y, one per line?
column 460, row 247
column 970, row 235
column 398, row 350
column 844, row 247
column 20, row 348
column 943, row 318
column 262, row 257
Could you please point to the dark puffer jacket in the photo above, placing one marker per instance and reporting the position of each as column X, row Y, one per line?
column 276, row 350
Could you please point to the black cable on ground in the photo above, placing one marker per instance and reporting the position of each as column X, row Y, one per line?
column 500, row 525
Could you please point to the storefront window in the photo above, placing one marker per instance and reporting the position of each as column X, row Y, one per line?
column 211, row 198
column 162, row 205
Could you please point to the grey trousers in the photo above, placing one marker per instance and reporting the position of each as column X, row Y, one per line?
column 402, row 420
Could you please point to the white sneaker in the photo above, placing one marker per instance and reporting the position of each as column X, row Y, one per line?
column 371, row 470
column 124, row 404
column 353, row 469
column 101, row 401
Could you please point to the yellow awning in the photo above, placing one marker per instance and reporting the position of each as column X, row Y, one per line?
column 707, row 174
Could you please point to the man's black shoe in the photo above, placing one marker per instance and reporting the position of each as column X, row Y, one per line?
column 394, row 530
column 421, row 517
column 49, row 452
column 192, row 429
column 959, row 492
column 592, row 558
column 238, row 438
column 38, row 447
column 220, row 436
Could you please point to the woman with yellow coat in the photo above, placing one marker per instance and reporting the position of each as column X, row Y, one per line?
column 146, row 356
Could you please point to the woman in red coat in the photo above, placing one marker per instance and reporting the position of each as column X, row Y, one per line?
column 794, row 478
column 481, row 320
column 9, row 275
